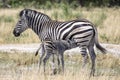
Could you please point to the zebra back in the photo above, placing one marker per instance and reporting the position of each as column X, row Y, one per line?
column 81, row 30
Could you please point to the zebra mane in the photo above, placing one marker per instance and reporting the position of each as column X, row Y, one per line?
column 27, row 11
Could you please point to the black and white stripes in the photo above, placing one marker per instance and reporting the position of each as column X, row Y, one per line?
column 81, row 31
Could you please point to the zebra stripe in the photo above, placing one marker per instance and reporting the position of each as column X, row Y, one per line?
column 82, row 32
column 57, row 47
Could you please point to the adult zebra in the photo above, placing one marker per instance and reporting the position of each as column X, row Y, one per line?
column 82, row 31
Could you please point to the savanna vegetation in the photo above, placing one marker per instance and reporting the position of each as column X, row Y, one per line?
column 57, row 3
column 23, row 66
column 105, row 14
column 107, row 21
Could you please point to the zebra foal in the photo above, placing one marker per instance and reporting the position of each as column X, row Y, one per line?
column 57, row 47
column 82, row 32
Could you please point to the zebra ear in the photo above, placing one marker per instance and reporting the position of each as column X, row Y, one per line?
column 24, row 12
column 21, row 13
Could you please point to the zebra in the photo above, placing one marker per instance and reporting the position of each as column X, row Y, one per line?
column 58, row 47
column 83, row 32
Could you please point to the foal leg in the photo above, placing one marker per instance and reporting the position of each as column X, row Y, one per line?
column 42, row 55
column 62, row 60
column 53, row 64
column 58, row 60
column 45, row 59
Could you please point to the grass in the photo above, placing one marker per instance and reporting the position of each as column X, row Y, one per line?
column 105, row 19
column 23, row 66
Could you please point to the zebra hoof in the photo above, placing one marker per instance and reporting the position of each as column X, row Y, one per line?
column 55, row 71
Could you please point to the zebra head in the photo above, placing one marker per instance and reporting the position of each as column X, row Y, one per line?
column 29, row 19
column 22, row 23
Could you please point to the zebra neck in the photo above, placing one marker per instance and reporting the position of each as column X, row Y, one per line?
column 37, row 28
column 36, row 24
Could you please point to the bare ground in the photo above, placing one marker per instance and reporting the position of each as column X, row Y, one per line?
column 15, row 71
column 31, row 48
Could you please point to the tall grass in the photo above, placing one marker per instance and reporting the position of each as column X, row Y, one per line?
column 105, row 19
column 23, row 66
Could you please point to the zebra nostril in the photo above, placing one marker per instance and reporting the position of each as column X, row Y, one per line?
column 16, row 33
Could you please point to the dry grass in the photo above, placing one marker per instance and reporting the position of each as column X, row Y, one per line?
column 106, row 19
column 7, row 23
column 23, row 66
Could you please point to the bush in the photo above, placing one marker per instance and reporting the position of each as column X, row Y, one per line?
column 71, row 3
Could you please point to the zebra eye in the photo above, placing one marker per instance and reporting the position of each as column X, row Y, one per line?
column 22, row 20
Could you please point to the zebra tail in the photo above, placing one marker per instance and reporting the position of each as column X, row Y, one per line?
column 36, row 53
column 103, row 50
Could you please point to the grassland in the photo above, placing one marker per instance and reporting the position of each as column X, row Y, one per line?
column 23, row 66
column 107, row 20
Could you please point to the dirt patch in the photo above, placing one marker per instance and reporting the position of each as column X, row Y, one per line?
column 31, row 48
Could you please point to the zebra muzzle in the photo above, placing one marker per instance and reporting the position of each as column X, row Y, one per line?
column 16, row 33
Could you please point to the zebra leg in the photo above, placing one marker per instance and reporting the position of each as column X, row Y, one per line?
column 53, row 65
column 42, row 55
column 84, row 55
column 45, row 59
column 62, row 61
column 58, row 60
column 93, row 57
column 40, row 61
column 54, row 69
